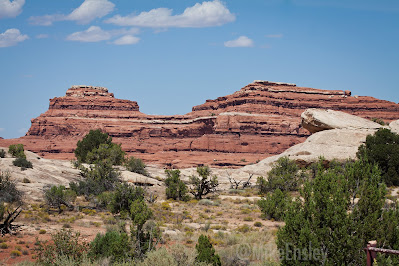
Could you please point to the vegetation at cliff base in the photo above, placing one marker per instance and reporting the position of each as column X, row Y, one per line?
column 382, row 148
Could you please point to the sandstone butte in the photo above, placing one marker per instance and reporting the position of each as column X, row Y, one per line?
column 260, row 120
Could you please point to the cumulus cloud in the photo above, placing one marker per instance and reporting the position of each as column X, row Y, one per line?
column 242, row 41
column 90, row 10
column 85, row 13
column 96, row 34
column 206, row 14
column 276, row 36
column 92, row 34
column 11, row 9
column 126, row 40
column 12, row 37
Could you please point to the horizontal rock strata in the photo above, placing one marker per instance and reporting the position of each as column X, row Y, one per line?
column 260, row 120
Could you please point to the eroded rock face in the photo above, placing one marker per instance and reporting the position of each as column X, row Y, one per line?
column 260, row 120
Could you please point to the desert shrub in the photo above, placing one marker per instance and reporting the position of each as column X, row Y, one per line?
column 123, row 196
column 378, row 120
column 10, row 202
column 56, row 196
column 258, row 224
column 23, row 163
column 136, row 165
column 106, row 152
column 64, row 243
column 274, row 205
column 182, row 254
column 113, row 244
column 262, row 184
column 206, row 251
column 158, row 257
column 91, row 141
column 204, row 184
column 175, row 188
column 17, row 150
column 2, row 153
column 382, row 148
column 327, row 217
column 96, row 179
column 285, row 175
column 8, row 189
column 15, row 253
column 145, row 233
column 104, row 199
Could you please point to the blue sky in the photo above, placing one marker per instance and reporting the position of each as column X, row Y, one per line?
column 171, row 55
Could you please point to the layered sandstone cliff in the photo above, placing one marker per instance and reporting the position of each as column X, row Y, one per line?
column 260, row 120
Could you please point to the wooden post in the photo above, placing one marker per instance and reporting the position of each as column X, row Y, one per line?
column 371, row 255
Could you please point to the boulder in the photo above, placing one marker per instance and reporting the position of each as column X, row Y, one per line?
column 394, row 125
column 316, row 120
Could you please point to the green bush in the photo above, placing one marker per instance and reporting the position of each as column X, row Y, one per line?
column 8, row 189
column 113, row 244
column 175, row 188
column 56, row 196
column 65, row 243
column 274, row 205
column 145, row 233
column 378, row 120
column 206, row 252
column 285, row 175
column 17, row 150
column 23, row 163
column 123, row 196
column 91, row 141
column 2, row 153
column 204, row 184
column 96, row 179
column 106, row 152
column 382, row 148
column 136, row 165
column 337, row 213
column 158, row 257
column 262, row 184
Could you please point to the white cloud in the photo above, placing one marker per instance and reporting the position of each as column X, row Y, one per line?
column 277, row 36
column 85, row 13
column 242, row 41
column 1, row 129
column 126, row 40
column 42, row 36
column 12, row 37
column 46, row 20
column 90, row 10
column 11, row 9
column 96, row 34
column 207, row 14
column 92, row 34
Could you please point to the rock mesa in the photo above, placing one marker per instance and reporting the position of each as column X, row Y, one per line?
column 260, row 120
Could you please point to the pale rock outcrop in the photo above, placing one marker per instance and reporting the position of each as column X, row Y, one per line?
column 394, row 125
column 316, row 120
column 338, row 136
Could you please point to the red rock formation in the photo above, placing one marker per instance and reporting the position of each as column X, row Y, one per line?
column 260, row 120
